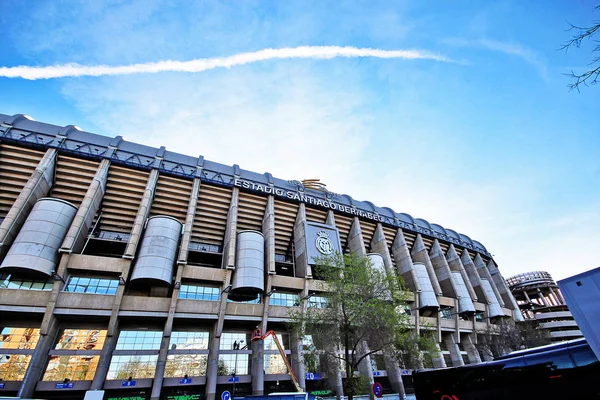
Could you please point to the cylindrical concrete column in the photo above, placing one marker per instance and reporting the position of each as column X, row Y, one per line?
column 257, row 367
column 297, row 362
column 105, row 357
column 212, row 369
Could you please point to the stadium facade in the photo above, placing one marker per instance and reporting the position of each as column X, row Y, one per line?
column 144, row 272
column 540, row 299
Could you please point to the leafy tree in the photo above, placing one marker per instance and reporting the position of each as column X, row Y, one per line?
column 417, row 351
column 582, row 35
column 365, row 305
column 507, row 336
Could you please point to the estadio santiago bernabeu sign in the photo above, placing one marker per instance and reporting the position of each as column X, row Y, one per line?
column 306, row 198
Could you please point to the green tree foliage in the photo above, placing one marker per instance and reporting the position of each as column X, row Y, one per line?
column 507, row 336
column 583, row 35
column 364, row 305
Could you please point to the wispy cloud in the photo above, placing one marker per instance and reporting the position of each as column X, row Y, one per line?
column 205, row 64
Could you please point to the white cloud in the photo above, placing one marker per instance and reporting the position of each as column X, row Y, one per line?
column 206, row 64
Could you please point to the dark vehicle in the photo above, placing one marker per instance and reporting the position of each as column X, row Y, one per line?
column 567, row 370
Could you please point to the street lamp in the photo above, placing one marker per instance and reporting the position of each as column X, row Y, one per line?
column 236, row 348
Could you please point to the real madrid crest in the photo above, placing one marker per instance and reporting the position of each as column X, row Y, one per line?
column 323, row 244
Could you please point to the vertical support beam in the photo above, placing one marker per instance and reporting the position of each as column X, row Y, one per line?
column 394, row 373
column 78, row 232
column 268, row 230
column 189, row 223
column 439, row 361
column 212, row 370
column 504, row 290
column 419, row 254
column 258, row 346
column 474, row 278
column 164, row 345
column 231, row 231
column 142, row 214
column 470, row 348
column 303, row 269
column 297, row 361
column 484, row 273
column 356, row 244
column 112, row 334
column 454, row 350
column 442, row 270
column 404, row 262
column 37, row 186
column 38, row 360
column 364, row 367
column 456, row 265
column 330, row 218
column 379, row 245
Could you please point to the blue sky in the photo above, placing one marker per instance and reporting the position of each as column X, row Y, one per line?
column 490, row 143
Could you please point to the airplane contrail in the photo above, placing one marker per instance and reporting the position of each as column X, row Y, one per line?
column 205, row 64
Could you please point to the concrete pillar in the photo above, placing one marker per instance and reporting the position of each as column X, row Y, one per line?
column 164, row 345
column 142, row 214
column 558, row 295
column 474, row 278
column 485, row 273
column 37, row 186
column 419, row 254
column 452, row 346
column 439, row 361
column 355, row 242
column 364, row 367
column 297, row 361
column 334, row 377
column 542, row 298
column 78, row 231
column 268, row 230
column 379, row 245
column 112, row 334
column 456, row 265
column 212, row 368
column 189, row 223
column 35, row 370
column 404, row 262
column 303, row 269
column 394, row 372
column 231, row 231
column 503, row 288
column 330, row 218
column 442, row 270
column 470, row 348
column 257, row 367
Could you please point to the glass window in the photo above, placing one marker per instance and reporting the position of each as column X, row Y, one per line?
column 274, row 364
column 318, row 302
column 13, row 366
column 186, row 364
column 75, row 368
column 284, row 299
column 19, row 338
column 80, row 284
column 197, row 292
column 81, row 339
column 188, row 340
column 228, row 363
column 446, row 313
column 136, row 367
column 228, row 338
column 284, row 339
column 139, row 340
column 7, row 281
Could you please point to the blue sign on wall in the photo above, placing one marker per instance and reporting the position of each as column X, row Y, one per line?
column 376, row 373
column 127, row 383
column 236, row 379
column 184, row 381
column 1, row 385
column 64, row 385
column 313, row 376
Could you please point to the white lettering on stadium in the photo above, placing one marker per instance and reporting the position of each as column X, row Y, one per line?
column 305, row 198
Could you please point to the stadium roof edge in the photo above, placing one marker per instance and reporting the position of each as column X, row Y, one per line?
column 23, row 129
